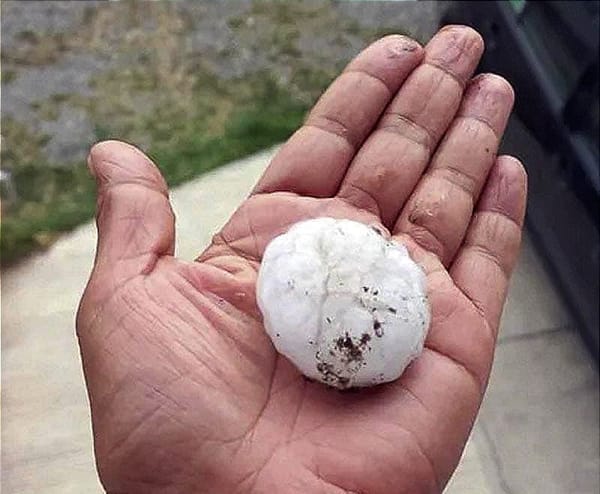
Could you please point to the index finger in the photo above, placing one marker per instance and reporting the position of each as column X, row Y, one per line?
column 314, row 160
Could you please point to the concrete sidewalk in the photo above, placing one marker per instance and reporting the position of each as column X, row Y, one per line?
column 537, row 432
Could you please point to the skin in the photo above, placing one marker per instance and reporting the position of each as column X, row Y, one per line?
column 187, row 392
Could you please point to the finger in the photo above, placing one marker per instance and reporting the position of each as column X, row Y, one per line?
column 134, row 218
column 488, row 255
column 391, row 161
column 452, row 319
column 315, row 158
column 438, row 212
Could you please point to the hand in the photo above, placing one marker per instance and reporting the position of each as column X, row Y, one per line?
column 188, row 394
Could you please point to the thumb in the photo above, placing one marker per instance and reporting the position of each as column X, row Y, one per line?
column 136, row 225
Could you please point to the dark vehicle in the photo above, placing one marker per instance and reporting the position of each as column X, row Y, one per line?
column 549, row 52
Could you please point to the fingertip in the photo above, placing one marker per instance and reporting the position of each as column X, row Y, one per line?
column 399, row 44
column 456, row 50
column 389, row 59
column 465, row 32
column 105, row 150
column 506, row 189
column 101, row 147
column 494, row 85
column 488, row 98
column 511, row 167
column 111, row 162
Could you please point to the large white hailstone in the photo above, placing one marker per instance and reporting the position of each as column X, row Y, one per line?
column 346, row 306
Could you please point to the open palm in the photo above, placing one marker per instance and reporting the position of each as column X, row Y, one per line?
column 186, row 390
